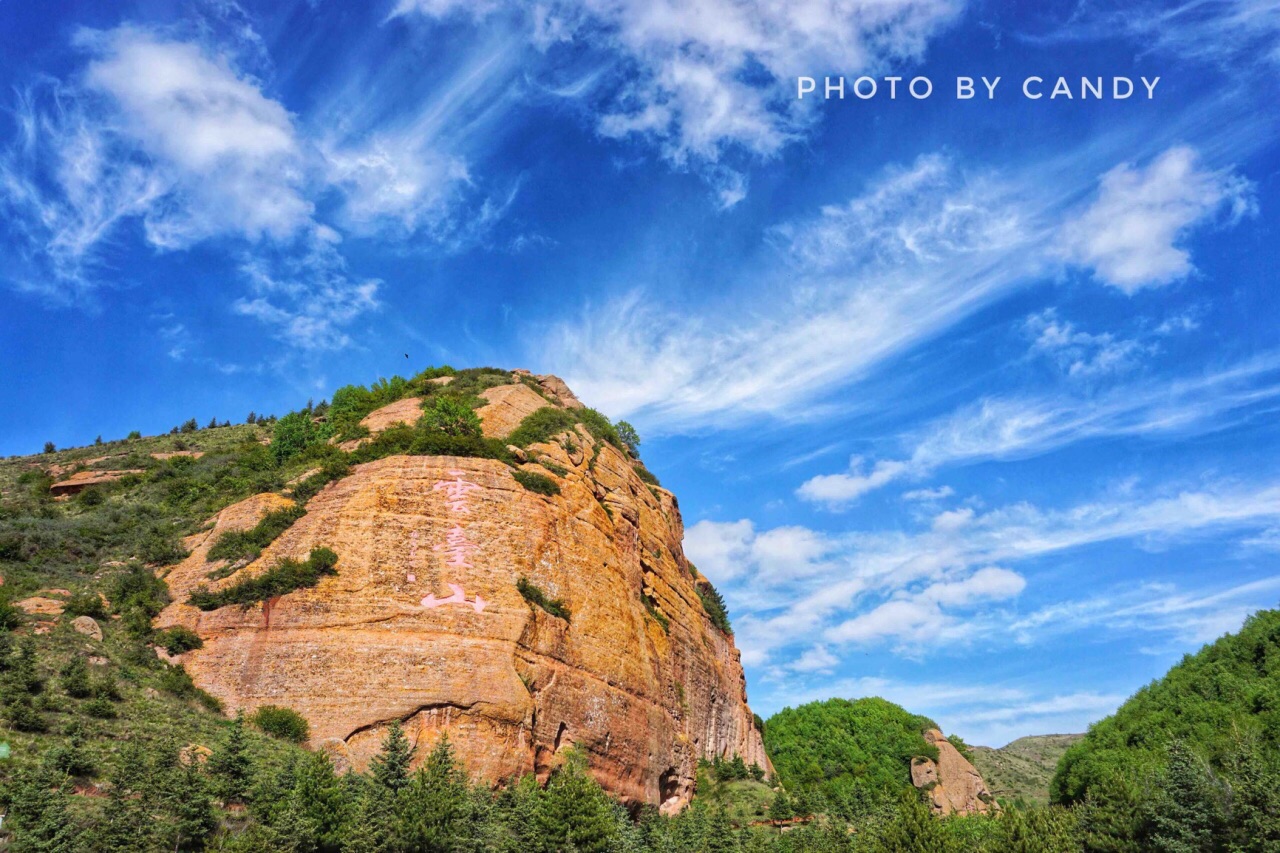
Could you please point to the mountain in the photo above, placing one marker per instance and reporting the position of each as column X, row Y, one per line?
column 501, row 568
column 1023, row 768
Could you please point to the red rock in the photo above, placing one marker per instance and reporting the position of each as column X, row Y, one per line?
column 423, row 623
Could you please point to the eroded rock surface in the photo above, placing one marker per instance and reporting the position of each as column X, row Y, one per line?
column 953, row 784
column 506, row 407
column 424, row 623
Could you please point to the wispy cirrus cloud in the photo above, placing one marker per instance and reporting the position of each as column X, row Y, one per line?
column 700, row 82
column 921, row 248
column 159, row 135
column 924, row 245
column 1025, row 426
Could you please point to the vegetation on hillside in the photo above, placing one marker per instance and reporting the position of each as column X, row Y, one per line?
column 849, row 757
column 1191, row 761
column 1021, row 770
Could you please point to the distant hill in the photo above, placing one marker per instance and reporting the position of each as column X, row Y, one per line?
column 1023, row 768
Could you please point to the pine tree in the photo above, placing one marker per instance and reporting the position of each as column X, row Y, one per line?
column 432, row 808
column 1188, row 809
column 320, row 801
column 38, row 815
column 190, row 804
column 1255, row 807
column 781, row 808
column 230, row 765
column 75, row 678
column 720, row 835
column 913, row 829
column 391, row 765
column 575, row 814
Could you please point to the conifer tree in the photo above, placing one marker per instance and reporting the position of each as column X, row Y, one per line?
column 391, row 765
column 320, row 802
column 230, row 765
column 38, row 814
column 432, row 808
column 1188, row 810
column 575, row 813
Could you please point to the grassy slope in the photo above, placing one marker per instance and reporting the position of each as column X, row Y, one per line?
column 1023, row 768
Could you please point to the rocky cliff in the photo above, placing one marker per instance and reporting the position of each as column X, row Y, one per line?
column 953, row 785
column 424, row 621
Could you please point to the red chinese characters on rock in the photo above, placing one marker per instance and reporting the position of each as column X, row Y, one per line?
column 457, row 549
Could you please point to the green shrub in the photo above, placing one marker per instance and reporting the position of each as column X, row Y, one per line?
column 600, row 427
column 284, row 577
column 645, row 475
column 24, row 717
column 539, row 426
column 714, row 605
column 558, row 470
column 534, row 595
column 536, row 483
column 86, row 602
column 629, row 437
column 178, row 639
column 75, row 678
column 241, row 544
column 294, row 433
column 101, row 708
column 658, row 615
column 284, row 723
column 450, row 416
column 310, row 487
column 160, row 548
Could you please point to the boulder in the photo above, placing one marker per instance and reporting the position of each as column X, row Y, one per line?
column 88, row 626
column 953, row 785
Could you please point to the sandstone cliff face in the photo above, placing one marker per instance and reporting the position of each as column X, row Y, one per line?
column 424, row 623
column 953, row 784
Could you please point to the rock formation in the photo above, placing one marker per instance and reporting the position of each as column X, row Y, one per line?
column 424, row 622
column 952, row 783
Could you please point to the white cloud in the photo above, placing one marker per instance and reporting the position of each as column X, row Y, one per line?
column 1080, row 354
column 227, row 154
column 928, row 494
column 707, row 77
column 842, row 488
column 306, row 294
column 1220, row 32
column 947, row 580
column 920, row 248
column 1133, row 234
column 1021, row 427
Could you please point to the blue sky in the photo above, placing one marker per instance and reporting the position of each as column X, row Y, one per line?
column 969, row 403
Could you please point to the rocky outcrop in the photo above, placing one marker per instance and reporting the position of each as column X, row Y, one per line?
column 424, row 623
column 506, row 406
column 953, row 785
column 78, row 482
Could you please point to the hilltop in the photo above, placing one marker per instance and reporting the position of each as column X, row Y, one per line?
column 1022, row 769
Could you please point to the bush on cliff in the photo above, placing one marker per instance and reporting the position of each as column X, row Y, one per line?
column 540, row 425
column 241, row 544
column 282, row 578
column 534, row 595
column 714, row 605
column 284, row 723
column 536, row 483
